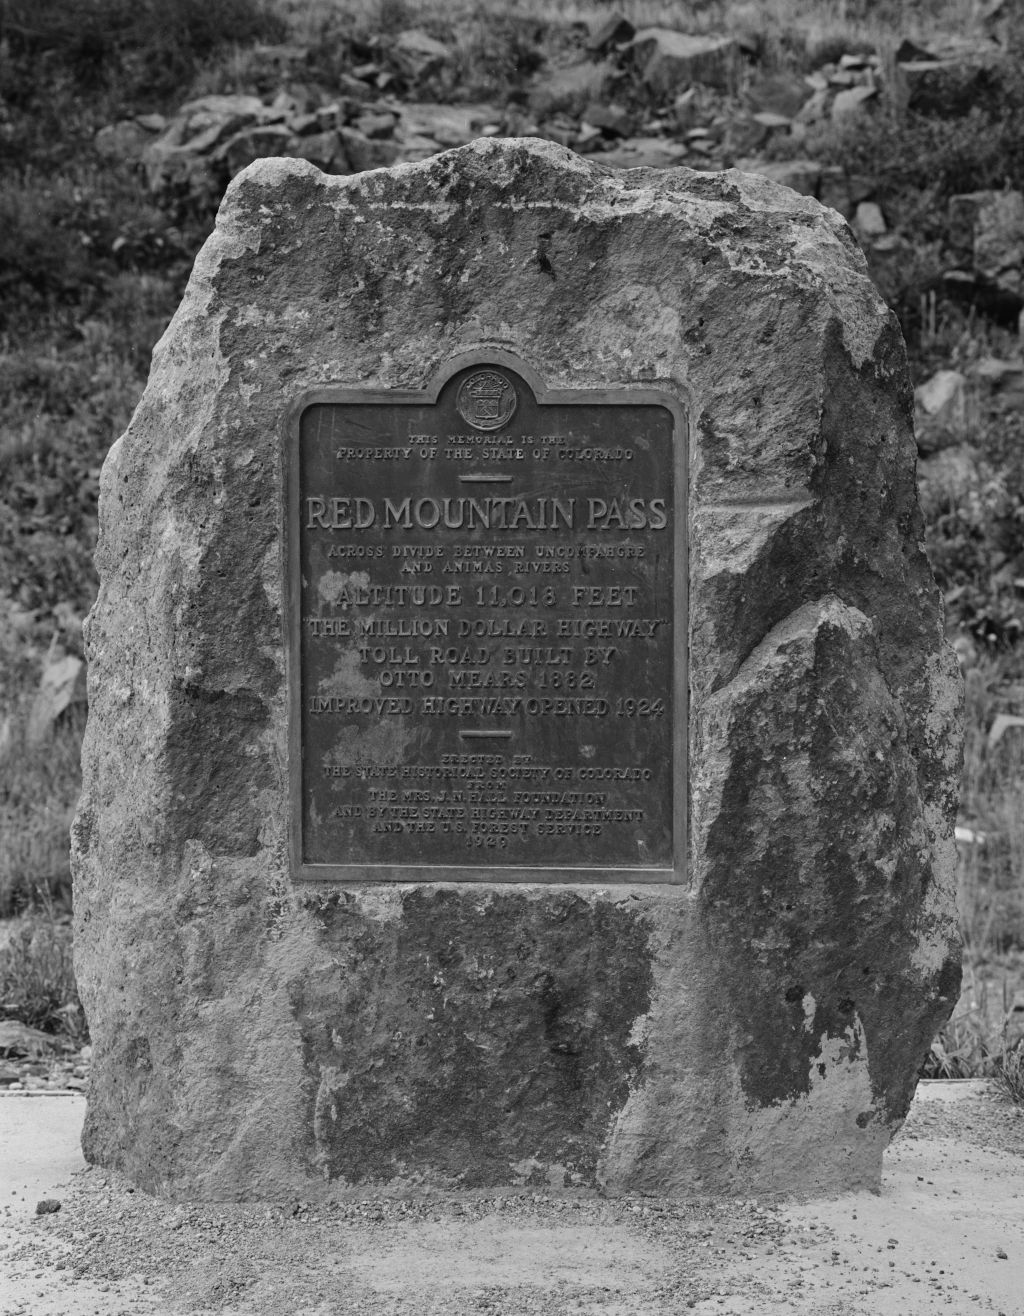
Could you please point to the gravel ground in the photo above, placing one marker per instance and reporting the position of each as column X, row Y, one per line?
column 946, row 1233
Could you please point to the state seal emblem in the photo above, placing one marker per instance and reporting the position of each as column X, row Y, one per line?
column 486, row 400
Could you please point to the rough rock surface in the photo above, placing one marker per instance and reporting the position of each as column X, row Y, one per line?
column 756, row 1031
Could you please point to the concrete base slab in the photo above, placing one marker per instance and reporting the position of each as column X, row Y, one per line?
column 40, row 1146
column 946, row 1233
column 951, row 1089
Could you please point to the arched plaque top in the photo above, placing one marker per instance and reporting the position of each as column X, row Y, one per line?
column 526, row 375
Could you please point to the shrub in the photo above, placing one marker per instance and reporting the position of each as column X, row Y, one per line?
column 921, row 161
column 43, row 258
column 152, row 47
column 917, row 162
column 973, row 544
column 59, row 413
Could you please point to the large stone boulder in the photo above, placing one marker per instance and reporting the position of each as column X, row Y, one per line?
column 756, row 1026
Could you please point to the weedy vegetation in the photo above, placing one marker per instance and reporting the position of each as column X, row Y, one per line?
column 37, row 977
column 985, row 1036
column 92, row 266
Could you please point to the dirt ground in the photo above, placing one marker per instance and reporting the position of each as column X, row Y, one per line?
column 946, row 1234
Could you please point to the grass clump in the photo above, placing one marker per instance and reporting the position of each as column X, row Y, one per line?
column 39, row 787
column 1010, row 1072
column 985, row 1036
column 991, row 867
column 37, row 978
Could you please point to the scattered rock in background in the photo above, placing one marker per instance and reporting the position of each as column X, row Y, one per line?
column 645, row 153
column 1000, row 305
column 611, row 119
column 960, row 75
column 254, row 144
column 851, row 104
column 31, row 1060
column 803, row 176
column 655, row 97
column 1002, row 723
column 988, row 230
column 208, row 141
column 869, row 221
column 615, row 31
column 941, row 411
column 61, row 684
column 361, row 152
column 124, row 140
column 909, row 52
column 945, row 389
column 835, row 189
column 182, row 158
column 946, row 478
column 783, row 94
column 19, row 1040
column 671, row 61
column 447, row 125
column 569, row 90
column 1000, row 383
column 1004, row 378
column 418, row 57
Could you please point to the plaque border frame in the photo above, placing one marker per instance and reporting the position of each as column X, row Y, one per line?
column 459, row 874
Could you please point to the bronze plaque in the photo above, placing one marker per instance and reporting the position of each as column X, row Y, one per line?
column 487, row 610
